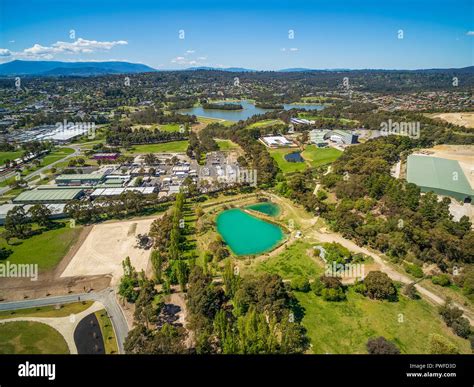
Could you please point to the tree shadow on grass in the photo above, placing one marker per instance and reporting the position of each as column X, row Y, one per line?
column 298, row 310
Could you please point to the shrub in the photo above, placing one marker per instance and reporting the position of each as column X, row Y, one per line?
column 301, row 284
column 379, row 286
column 410, row 292
column 439, row 345
column 414, row 270
column 330, row 294
column 381, row 346
column 441, row 280
column 461, row 327
column 330, row 288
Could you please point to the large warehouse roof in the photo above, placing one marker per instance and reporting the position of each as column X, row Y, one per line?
column 47, row 195
column 442, row 176
column 119, row 191
column 85, row 176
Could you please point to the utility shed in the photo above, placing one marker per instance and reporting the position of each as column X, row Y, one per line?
column 442, row 176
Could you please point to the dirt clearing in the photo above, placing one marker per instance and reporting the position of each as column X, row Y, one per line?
column 106, row 246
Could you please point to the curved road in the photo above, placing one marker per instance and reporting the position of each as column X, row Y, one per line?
column 106, row 297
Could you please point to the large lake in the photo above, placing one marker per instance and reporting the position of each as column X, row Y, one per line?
column 248, row 111
column 245, row 234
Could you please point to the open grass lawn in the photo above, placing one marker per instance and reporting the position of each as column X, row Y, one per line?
column 27, row 337
column 9, row 156
column 291, row 263
column 46, row 249
column 55, row 155
column 265, row 123
column 47, row 311
column 169, row 127
column 225, row 145
column 345, row 327
column 173, row 146
column 209, row 120
column 286, row 166
column 110, row 341
column 320, row 156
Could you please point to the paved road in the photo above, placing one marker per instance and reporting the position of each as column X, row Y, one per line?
column 106, row 297
column 77, row 151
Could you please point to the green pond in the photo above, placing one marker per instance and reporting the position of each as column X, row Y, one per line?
column 266, row 208
column 245, row 234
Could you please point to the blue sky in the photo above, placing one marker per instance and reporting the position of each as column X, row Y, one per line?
column 252, row 34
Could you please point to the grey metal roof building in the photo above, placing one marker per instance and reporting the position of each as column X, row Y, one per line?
column 442, row 176
column 46, row 196
column 79, row 179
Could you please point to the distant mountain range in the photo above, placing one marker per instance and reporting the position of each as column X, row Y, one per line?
column 230, row 69
column 56, row 68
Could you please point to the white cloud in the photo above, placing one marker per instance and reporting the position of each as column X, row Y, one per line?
column 87, row 46
column 5, row 52
column 292, row 49
column 187, row 59
column 470, row 33
column 79, row 46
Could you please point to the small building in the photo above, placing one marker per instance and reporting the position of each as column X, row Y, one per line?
column 106, row 156
column 277, row 142
column 321, row 137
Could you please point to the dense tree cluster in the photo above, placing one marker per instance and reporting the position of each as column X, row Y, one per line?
column 123, row 135
column 155, row 116
column 126, row 204
column 250, row 315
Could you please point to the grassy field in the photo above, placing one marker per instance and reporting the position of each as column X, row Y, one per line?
column 9, row 156
column 27, row 337
column 55, row 155
column 265, row 123
column 291, row 263
column 47, row 311
column 286, row 166
column 110, row 341
column 345, row 327
column 208, row 120
column 173, row 146
column 225, row 145
column 46, row 249
column 320, row 156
